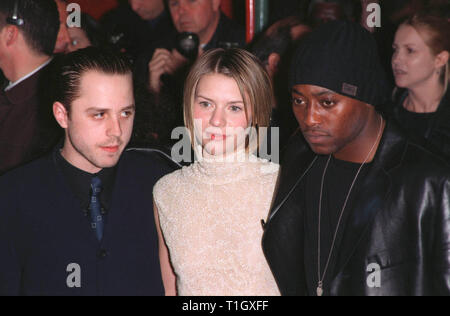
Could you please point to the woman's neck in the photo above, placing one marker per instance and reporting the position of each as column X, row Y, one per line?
column 424, row 98
column 240, row 155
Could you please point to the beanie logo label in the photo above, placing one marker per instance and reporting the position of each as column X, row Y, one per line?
column 349, row 89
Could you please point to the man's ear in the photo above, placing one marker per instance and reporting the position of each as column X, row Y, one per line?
column 11, row 34
column 216, row 5
column 61, row 115
column 442, row 58
column 273, row 62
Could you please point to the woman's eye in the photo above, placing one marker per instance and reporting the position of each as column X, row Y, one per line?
column 235, row 108
column 205, row 104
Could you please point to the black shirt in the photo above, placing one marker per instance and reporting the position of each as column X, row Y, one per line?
column 418, row 125
column 80, row 183
column 337, row 182
column 430, row 130
column 228, row 34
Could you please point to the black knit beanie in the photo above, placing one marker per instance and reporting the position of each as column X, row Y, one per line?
column 342, row 57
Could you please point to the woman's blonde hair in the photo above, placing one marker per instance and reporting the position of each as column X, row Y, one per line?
column 435, row 31
column 250, row 76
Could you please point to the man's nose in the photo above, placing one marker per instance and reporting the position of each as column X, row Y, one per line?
column 182, row 7
column 114, row 127
column 63, row 35
column 311, row 116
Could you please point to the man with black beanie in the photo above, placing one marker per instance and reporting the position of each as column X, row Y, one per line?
column 360, row 210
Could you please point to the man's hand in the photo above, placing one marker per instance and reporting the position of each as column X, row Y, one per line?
column 163, row 62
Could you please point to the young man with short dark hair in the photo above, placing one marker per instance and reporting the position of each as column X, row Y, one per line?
column 79, row 221
column 360, row 210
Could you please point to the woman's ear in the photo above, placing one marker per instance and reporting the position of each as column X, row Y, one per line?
column 442, row 59
column 61, row 115
column 272, row 63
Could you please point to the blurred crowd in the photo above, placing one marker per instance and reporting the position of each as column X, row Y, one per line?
column 162, row 38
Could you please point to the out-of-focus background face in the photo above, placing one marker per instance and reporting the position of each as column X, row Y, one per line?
column 78, row 39
column 63, row 40
column 147, row 9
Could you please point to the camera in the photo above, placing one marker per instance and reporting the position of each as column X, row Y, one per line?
column 187, row 45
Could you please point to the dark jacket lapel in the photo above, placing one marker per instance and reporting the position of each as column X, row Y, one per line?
column 298, row 159
column 373, row 193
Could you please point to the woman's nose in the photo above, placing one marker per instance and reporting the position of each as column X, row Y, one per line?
column 217, row 118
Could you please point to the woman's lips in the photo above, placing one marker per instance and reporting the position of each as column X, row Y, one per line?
column 218, row 137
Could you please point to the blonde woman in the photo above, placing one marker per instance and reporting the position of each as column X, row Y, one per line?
column 421, row 69
column 210, row 213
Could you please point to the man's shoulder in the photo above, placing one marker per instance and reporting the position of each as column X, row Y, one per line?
column 149, row 160
column 31, row 175
column 295, row 148
column 398, row 154
column 421, row 161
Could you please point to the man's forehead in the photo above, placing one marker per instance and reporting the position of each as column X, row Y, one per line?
column 312, row 89
column 94, row 83
column 327, row 6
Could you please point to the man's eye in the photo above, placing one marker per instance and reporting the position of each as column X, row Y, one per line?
column 99, row 115
column 127, row 113
column 297, row 101
column 328, row 103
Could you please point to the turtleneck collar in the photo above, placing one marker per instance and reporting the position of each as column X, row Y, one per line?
column 220, row 170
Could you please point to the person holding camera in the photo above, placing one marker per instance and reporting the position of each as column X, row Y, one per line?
column 203, row 18
column 161, row 70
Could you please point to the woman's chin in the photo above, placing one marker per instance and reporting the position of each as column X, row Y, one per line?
column 218, row 148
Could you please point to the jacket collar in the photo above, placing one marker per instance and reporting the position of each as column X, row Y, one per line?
column 298, row 159
column 375, row 187
column 20, row 93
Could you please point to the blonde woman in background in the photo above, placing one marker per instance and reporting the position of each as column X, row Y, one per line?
column 421, row 69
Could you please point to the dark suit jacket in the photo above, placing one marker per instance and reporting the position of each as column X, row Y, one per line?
column 27, row 127
column 43, row 230
column 400, row 222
